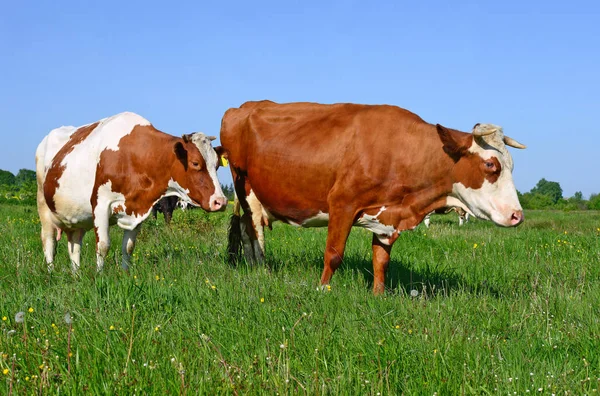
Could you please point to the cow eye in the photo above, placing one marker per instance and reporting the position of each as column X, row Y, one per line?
column 490, row 165
column 195, row 163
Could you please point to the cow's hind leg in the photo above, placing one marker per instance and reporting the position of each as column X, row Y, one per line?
column 48, row 233
column 101, row 228
column 128, row 245
column 74, row 244
column 246, row 230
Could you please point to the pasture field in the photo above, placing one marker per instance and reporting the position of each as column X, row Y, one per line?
column 470, row 310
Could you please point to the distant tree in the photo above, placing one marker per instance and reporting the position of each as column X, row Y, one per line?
column 25, row 176
column 6, row 178
column 228, row 191
column 539, row 201
column 594, row 202
column 578, row 196
column 548, row 188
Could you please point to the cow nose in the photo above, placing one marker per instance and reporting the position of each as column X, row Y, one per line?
column 517, row 218
column 219, row 203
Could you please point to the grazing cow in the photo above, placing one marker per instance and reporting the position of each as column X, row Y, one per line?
column 463, row 215
column 112, row 172
column 166, row 206
column 378, row 167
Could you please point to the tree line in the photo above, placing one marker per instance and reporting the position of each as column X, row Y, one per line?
column 549, row 195
column 21, row 189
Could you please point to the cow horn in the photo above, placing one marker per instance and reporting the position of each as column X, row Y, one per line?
column 513, row 143
column 211, row 138
column 484, row 129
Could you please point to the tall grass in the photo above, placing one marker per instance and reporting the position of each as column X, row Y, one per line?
column 476, row 309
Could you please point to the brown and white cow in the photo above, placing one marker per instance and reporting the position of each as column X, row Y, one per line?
column 112, row 172
column 463, row 215
column 378, row 167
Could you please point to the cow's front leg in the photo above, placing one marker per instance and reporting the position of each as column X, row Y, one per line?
column 337, row 233
column 128, row 245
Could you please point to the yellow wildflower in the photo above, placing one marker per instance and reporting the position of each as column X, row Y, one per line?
column 213, row 287
column 475, row 246
column 262, row 300
column 30, row 310
column 5, row 371
column 111, row 327
column 4, row 318
column 157, row 277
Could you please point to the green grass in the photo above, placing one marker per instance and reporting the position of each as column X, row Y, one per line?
column 498, row 311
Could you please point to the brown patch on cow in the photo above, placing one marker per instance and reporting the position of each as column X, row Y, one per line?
column 471, row 170
column 118, row 209
column 144, row 163
column 56, row 170
column 492, row 169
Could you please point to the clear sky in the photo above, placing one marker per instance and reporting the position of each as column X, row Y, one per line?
column 532, row 67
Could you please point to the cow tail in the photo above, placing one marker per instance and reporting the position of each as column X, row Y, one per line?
column 234, row 243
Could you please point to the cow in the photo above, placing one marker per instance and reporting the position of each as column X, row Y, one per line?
column 463, row 215
column 166, row 206
column 379, row 167
column 112, row 172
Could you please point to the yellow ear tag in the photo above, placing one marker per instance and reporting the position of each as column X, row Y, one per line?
column 224, row 161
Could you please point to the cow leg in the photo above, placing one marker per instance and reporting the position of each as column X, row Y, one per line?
column 75, row 239
column 258, row 243
column 48, row 233
column 168, row 212
column 337, row 234
column 248, row 237
column 427, row 220
column 128, row 245
column 48, row 236
column 101, row 228
column 461, row 220
column 381, row 259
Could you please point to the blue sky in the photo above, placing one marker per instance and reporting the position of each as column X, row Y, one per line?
column 532, row 67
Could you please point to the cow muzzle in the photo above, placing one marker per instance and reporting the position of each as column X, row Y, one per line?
column 217, row 203
column 517, row 218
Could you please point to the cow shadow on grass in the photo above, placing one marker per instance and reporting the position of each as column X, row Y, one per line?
column 401, row 277
column 428, row 281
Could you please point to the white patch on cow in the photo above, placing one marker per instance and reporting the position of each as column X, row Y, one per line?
column 113, row 129
column 372, row 223
column 175, row 189
column 211, row 159
column 51, row 144
column 319, row 220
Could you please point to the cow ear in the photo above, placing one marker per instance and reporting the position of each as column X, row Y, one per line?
column 452, row 146
column 223, row 155
column 181, row 154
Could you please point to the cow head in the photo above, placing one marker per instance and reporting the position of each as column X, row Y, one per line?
column 197, row 171
column 482, row 173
